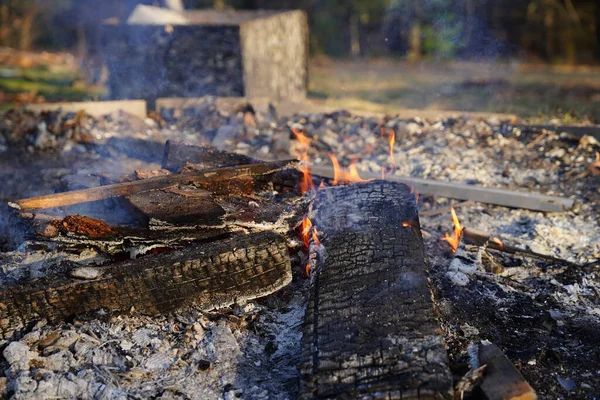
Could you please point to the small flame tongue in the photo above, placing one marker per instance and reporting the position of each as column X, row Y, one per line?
column 454, row 239
column 307, row 182
column 341, row 175
column 307, row 233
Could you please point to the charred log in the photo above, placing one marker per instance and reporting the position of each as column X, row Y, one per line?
column 370, row 329
column 210, row 275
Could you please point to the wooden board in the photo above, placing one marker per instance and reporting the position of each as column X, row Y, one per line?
column 95, row 108
column 461, row 191
column 370, row 329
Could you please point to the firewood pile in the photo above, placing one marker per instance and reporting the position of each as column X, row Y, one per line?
column 101, row 292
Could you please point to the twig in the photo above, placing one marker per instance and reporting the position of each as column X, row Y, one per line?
column 478, row 238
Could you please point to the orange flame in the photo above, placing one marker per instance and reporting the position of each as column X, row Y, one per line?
column 305, row 229
column 315, row 237
column 454, row 239
column 417, row 195
column 392, row 141
column 406, row 224
column 498, row 242
column 307, row 182
column 308, row 232
column 341, row 175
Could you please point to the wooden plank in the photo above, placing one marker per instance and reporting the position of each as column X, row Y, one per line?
column 95, row 108
column 370, row 329
column 159, row 182
column 210, row 275
column 500, row 197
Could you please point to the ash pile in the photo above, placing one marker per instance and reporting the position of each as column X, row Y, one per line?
column 542, row 313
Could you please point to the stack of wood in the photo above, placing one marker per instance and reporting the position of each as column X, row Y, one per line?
column 210, row 232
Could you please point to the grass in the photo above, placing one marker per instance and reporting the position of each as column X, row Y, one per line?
column 533, row 92
column 52, row 85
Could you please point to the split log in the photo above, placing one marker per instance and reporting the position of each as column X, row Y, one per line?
column 370, row 329
column 210, row 275
column 159, row 182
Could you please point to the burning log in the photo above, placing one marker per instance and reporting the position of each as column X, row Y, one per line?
column 210, row 275
column 370, row 328
column 144, row 185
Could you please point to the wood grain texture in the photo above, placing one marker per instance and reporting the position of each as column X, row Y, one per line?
column 370, row 329
column 155, row 183
column 210, row 275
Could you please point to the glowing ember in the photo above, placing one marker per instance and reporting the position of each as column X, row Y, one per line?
column 498, row 242
column 406, row 224
column 454, row 239
column 341, row 175
column 307, row 182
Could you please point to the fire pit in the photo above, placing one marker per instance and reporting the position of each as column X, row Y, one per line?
column 540, row 313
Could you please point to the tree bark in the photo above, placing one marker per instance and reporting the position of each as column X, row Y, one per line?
column 370, row 328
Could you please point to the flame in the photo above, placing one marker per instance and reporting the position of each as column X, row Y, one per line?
column 315, row 237
column 301, row 137
column 305, row 229
column 392, row 141
column 417, row 195
column 307, row 181
column 406, row 224
column 307, row 233
column 352, row 175
column 341, row 175
column 454, row 239
column 498, row 242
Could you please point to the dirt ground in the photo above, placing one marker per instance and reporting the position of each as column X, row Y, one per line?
column 538, row 92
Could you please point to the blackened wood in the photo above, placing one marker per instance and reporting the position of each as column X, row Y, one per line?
column 159, row 182
column 370, row 329
column 502, row 380
column 195, row 207
column 178, row 154
column 211, row 275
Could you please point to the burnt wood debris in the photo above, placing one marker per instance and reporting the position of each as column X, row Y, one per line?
column 370, row 329
column 219, row 242
column 211, row 275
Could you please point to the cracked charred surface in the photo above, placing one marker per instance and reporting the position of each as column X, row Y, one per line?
column 211, row 275
column 370, row 329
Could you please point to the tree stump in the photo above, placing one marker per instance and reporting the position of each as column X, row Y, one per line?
column 370, row 329
column 209, row 52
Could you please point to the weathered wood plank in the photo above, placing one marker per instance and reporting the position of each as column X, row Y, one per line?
column 370, row 329
column 500, row 197
column 95, row 108
column 211, row 275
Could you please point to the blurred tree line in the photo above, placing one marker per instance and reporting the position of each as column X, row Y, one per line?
column 542, row 30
